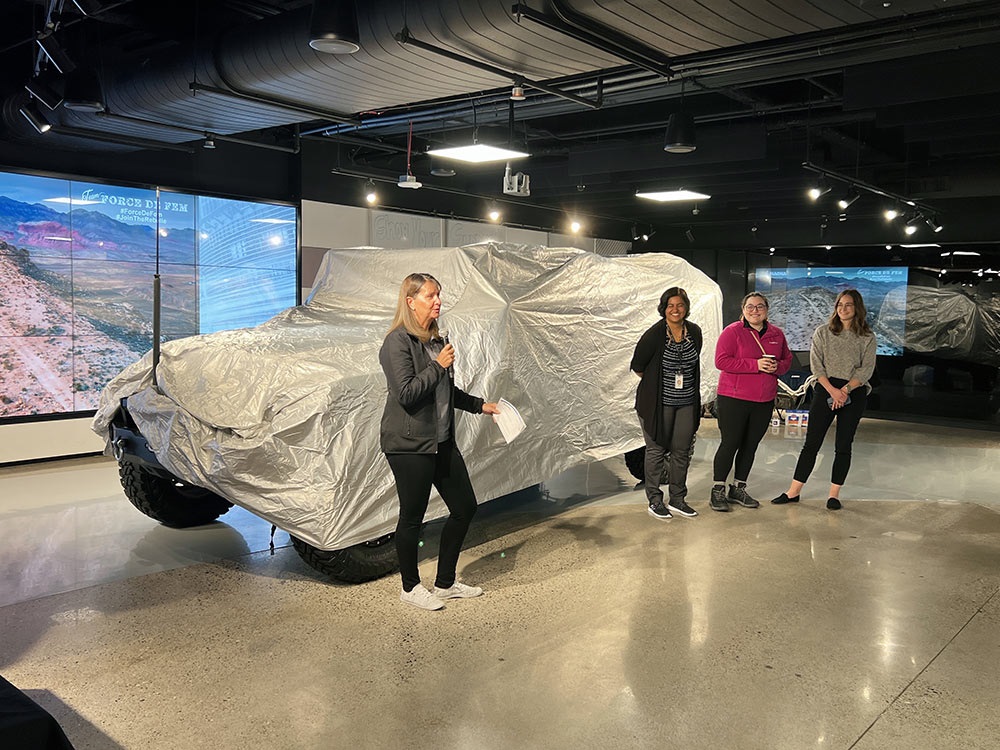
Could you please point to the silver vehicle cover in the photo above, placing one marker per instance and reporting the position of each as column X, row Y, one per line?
column 283, row 419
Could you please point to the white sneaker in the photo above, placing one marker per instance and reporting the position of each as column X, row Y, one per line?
column 458, row 591
column 421, row 597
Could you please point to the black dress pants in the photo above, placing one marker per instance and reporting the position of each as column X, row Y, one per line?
column 821, row 416
column 742, row 424
column 415, row 474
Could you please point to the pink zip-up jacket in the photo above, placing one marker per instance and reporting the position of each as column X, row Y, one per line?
column 736, row 355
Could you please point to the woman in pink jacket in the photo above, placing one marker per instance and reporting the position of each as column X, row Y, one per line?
column 751, row 354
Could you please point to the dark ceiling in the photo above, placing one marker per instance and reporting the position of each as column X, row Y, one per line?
column 899, row 97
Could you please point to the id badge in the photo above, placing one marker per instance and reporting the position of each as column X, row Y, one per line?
column 679, row 380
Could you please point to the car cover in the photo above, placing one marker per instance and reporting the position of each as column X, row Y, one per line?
column 283, row 418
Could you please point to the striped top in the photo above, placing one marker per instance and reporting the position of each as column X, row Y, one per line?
column 679, row 358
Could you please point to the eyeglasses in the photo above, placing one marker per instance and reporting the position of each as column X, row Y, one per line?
column 755, row 308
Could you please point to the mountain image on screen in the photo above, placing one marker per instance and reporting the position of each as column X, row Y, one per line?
column 76, row 302
column 803, row 299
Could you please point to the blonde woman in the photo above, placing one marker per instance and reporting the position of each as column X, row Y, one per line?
column 418, row 438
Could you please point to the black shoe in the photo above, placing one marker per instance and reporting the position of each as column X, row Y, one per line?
column 660, row 511
column 718, row 500
column 783, row 498
column 682, row 508
column 740, row 495
column 833, row 504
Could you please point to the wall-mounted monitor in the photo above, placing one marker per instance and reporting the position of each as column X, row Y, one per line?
column 803, row 298
column 77, row 261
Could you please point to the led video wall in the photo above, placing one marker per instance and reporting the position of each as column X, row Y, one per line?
column 801, row 299
column 77, row 262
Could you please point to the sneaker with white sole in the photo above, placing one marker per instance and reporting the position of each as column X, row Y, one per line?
column 421, row 597
column 681, row 506
column 659, row 511
column 458, row 590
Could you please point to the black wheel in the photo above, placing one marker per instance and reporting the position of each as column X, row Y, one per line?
column 170, row 501
column 362, row 562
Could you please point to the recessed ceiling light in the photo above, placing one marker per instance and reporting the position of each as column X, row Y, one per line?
column 477, row 153
column 667, row 196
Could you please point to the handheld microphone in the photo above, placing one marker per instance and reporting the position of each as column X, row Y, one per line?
column 443, row 333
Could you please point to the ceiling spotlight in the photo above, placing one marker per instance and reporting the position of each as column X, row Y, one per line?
column 754, row 228
column 772, row 251
column 87, row 7
column 575, row 226
column 690, row 235
column 371, row 197
column 635, row 233
column 83, row 91
column 55, row 53
column 821, row 188
column 517, row 93
column 37, row 120
column 842, row 217
column 209, row 142
column 891, row 214
column 494, row 214
column 848, row 200
column 43, row 88
column 333, row 27
column 680, row 134
column 911, row 224
column 935, row 227
column 888, row 247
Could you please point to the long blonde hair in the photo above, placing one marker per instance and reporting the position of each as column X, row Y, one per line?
column 859, row 324
column 404, row 317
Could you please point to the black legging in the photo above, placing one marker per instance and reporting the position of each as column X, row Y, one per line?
column 820, row 418
column 414, row 474
column 742, row 424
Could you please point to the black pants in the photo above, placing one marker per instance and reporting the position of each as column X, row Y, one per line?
column 742, row 424
column 415, row 473
column 821, row 416
column 677, row 427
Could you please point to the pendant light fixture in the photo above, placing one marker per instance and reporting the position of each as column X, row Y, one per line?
column 408, row 180
column 333, row 27
column 680, row 130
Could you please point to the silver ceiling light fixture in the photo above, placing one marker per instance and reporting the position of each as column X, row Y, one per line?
column 408, row 180
column 333, row 27
column 31, row 113
column 849, row 198
column 83, row 91
column 680, row 130
column 371, row 196
column 209, row 142
column 45, row 89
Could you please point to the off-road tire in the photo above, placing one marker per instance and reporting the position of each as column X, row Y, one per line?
column 362, row 562
column 170, row 501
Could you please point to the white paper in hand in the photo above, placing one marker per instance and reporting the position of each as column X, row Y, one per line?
column 508, row 420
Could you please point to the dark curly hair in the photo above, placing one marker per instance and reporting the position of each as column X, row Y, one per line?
column 674, row 291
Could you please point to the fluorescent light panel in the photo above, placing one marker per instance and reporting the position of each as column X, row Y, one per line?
column 477, row 153
column 669, row 196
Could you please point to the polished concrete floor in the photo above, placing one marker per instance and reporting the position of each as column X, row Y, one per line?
column 876, row 627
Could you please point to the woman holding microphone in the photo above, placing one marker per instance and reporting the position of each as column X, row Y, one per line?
column 750, row 354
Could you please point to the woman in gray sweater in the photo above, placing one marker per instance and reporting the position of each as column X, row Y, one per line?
column 418, row 438
column 843, row 360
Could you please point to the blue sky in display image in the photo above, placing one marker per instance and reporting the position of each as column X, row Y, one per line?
column 881, row 274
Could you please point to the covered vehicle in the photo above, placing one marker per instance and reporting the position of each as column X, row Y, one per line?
column 283, row 419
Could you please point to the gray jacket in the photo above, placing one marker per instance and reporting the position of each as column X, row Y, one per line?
column 409, row 421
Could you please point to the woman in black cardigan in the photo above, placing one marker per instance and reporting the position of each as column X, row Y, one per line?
column 418, row 438
column 668, row 400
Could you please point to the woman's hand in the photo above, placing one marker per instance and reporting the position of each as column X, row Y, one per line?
column 447, row 356
column 839, row 396
column 767, row 364
column 491, row 408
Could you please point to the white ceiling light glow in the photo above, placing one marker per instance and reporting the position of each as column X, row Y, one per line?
column 671, row 196
column 477, row 153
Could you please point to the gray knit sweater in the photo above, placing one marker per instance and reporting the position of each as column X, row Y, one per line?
column 842, row 355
